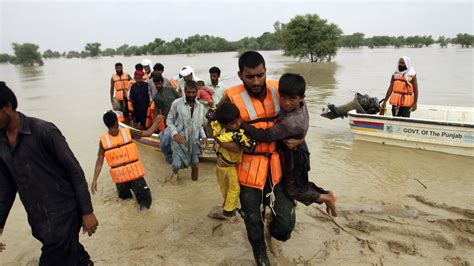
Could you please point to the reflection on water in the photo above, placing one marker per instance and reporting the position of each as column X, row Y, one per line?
column 318, row 75
column 31, row 73
column 320, row 81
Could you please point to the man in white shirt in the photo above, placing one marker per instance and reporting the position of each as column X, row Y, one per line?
column 214, row 75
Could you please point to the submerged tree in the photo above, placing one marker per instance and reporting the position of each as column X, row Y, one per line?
column 93, row 49
column 108, row 52
column 51, row 54
column 26, row 54
column 5, row 58
column 311, row 37
column 442, row 41
column 354, row 40
column 464, row 40
column 73, row 54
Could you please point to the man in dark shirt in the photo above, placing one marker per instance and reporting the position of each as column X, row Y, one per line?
column 163, row 99
column 164, row 96
column 36, row 162
column 140, row 98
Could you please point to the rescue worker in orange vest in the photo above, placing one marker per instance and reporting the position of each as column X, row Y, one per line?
column 403, row 89
column 121, row 153
column 259, row 173
column 119, row 84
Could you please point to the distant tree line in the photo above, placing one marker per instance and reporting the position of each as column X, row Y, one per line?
column 358, row 39
column 308, row 37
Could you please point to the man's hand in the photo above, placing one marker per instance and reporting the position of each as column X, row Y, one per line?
column 204, row 142
column 413, row 108
column 179, row 139
column 160, row 117
column 292, row 143
column 2, row 246
column 89, row 224
column 94, row 187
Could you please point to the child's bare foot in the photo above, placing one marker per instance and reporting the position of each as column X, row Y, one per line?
column 233, row 220
column 331, row 204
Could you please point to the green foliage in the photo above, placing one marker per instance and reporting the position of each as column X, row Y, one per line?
column 464, row 39
column 73, row 54
column 84, row 54
column 355, row 40
column 135, row 50
column 93, row 49
column 121, row 49
column 5, row 58
column 379, row 41
column 311, row 37
column 269, row 41
column 26, row 54
column 278, row 27
column 108, row 52
column 442, row 41
column 50, row 54
column 400, row 41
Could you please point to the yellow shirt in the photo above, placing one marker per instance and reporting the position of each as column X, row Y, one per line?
column 228, row 157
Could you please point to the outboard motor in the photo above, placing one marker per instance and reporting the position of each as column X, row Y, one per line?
column 361, row 103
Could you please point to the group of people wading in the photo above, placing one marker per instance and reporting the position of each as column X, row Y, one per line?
column 259, row 127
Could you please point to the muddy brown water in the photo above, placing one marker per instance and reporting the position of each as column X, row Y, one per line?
column 74, row 93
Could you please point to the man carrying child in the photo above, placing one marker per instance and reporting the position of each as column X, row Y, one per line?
column 293, row 122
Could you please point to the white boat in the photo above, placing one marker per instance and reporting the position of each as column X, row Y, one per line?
column 437, row 128
column 154, row 142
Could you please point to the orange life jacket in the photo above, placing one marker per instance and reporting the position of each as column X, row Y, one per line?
column 150, row 117
column 402, row 91
column 173, row 83
column 253, row 169
column 121, row 85
column 129, row 103
column 121, row 154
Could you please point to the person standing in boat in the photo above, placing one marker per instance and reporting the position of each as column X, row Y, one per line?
column 146, row 63
column 214, row 75
column 185, row 120
column 403, row 89
column 121, row 153
column 36, row 162
column 163, row 99
column 158, row 69
column 119, row 84
column 187, row 73
column 140, row 99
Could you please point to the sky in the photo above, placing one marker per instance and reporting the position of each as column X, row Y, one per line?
column 69, row 25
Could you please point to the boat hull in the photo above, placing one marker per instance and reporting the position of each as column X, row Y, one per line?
column 427, row 134
column 154, row 142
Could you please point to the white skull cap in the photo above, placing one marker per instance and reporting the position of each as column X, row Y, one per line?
column 146, row 62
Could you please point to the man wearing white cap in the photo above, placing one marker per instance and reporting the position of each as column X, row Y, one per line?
column 187, row 73
column 147, row 67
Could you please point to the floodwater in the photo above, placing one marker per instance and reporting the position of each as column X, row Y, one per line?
column 74, row 93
